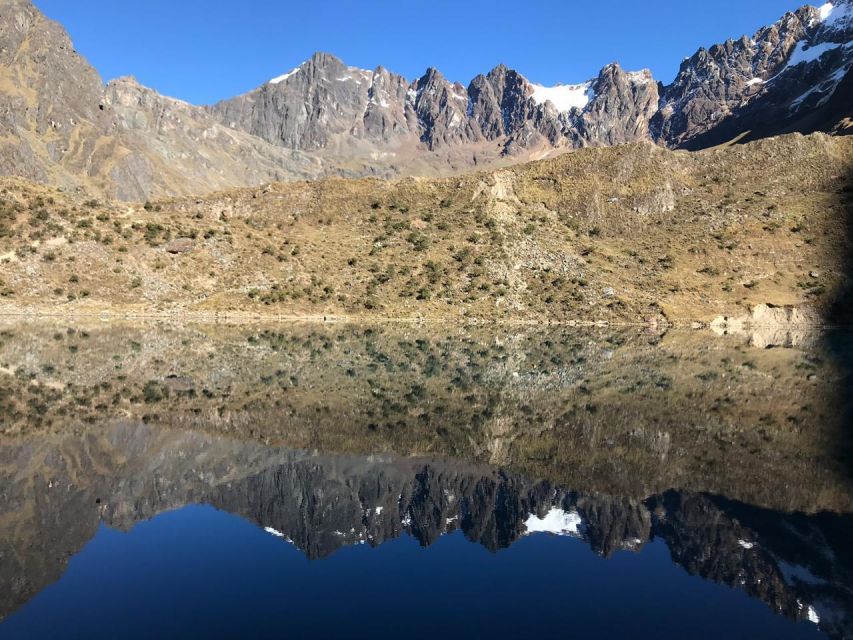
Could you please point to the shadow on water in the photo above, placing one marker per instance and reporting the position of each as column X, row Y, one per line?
column 841, row 312
column 840, row 343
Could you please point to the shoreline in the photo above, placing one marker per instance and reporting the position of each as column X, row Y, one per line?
column 243, row 317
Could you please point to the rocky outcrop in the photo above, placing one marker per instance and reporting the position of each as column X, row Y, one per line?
column 442, row 111
column 772, row 326
column 622, row 108
column 500, row 104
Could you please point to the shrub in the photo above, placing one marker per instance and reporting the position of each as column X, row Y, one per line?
column 418, row 241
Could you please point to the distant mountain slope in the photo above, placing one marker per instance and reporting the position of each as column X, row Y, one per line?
column 59, row 124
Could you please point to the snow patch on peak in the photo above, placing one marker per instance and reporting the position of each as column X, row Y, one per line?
column 556, row 521
column 826, row 88
column 283, row 77
column 836, row 15
column 801, row 54
column 564, row 97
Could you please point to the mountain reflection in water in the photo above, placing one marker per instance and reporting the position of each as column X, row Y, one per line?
column 331, row 438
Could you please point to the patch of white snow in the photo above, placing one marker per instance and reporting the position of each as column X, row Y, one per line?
column 556, row 521
column 564, row 97
column 802, row 55
column 836, row 16
column 282, row 78
column 792, row 574
column 828, row 88
column 813, row 617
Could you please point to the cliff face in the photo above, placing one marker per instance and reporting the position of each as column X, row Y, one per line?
column 49, row 113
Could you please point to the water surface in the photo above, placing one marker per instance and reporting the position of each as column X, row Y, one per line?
column 163, row 481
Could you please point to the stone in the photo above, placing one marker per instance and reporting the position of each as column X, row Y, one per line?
column 181, row 245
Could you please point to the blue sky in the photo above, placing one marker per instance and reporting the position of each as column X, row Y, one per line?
column 206, row 50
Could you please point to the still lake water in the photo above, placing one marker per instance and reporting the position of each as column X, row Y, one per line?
column 351, row 481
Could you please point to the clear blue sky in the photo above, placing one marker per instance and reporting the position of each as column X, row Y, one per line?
column 205, row 50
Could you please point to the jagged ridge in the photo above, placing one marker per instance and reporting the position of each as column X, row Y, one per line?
column 61, row 125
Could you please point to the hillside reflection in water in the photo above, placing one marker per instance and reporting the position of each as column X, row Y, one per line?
column 287, row 477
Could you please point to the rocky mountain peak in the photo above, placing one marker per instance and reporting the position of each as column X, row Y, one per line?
column 621, row 107
column 714, row 83
column 835, row 20
column 781, row 79
column 500, row 102
column 442, row 110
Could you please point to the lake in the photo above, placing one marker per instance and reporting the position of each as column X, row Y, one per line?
column 159, row 480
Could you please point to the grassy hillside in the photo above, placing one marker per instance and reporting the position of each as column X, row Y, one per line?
column 628, row 233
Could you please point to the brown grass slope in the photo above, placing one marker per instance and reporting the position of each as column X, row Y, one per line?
column 618, row 234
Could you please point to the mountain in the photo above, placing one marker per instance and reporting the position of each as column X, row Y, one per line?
column 778, row 78
column 59, row 124
column 325, row 104
column 791, row 76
